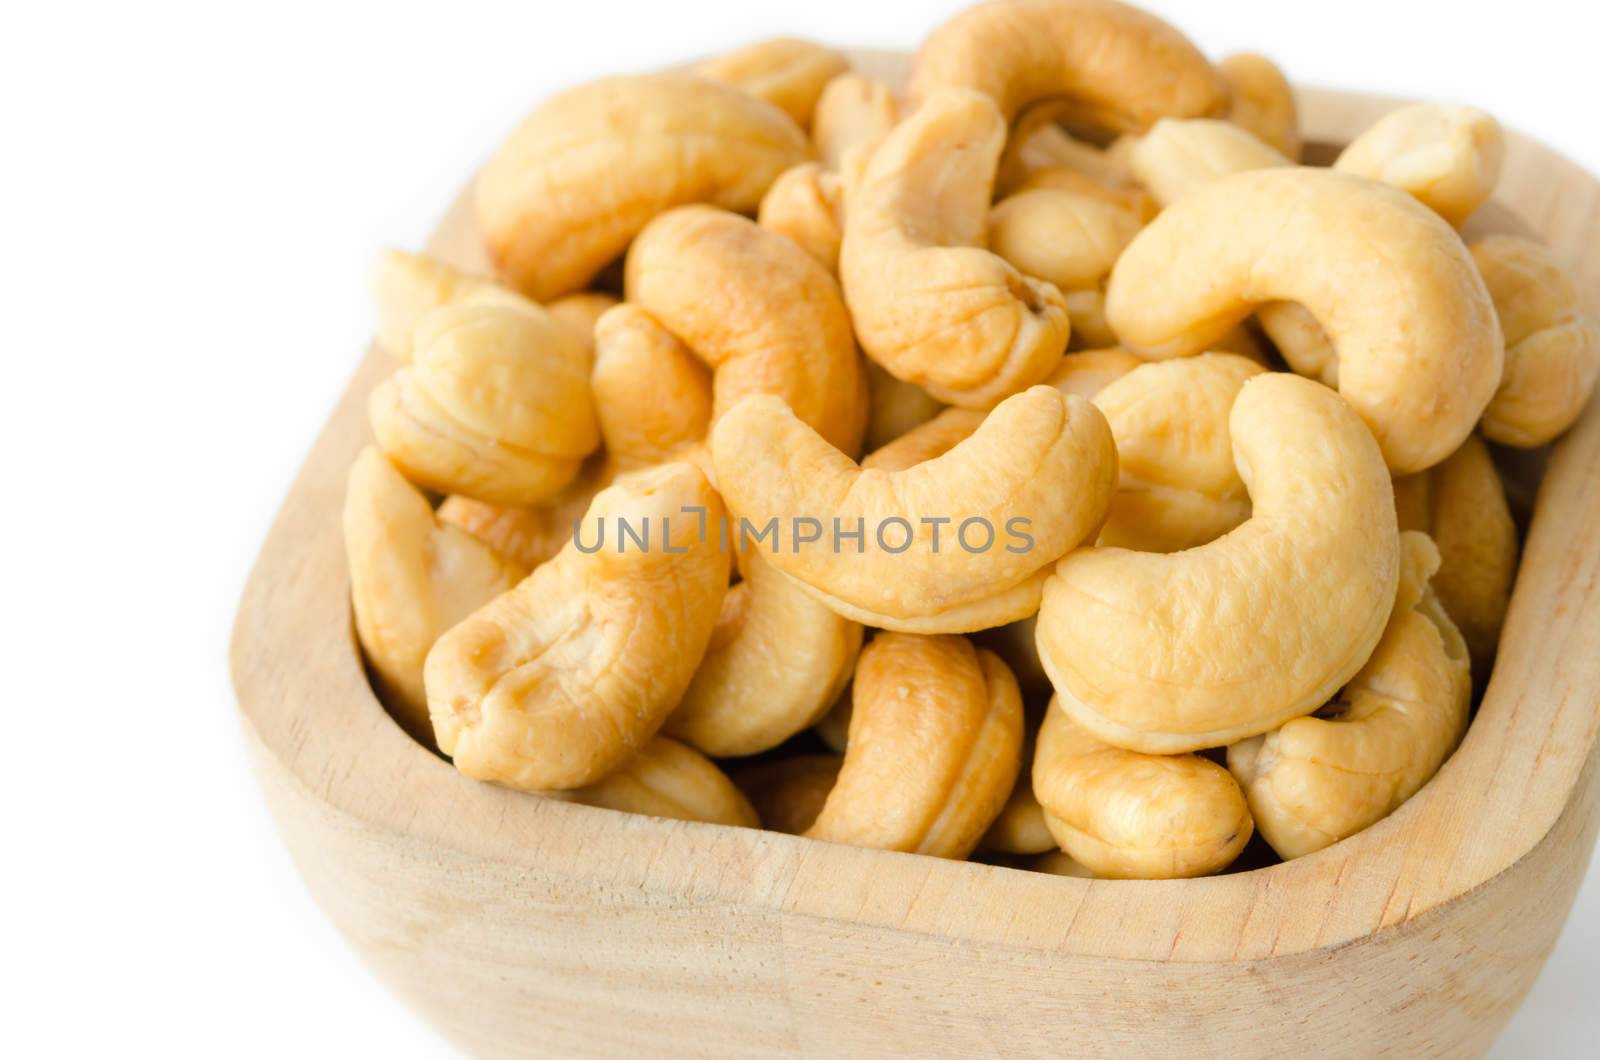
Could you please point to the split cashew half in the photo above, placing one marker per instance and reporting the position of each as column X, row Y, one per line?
column 1317, row 780
column 1447, row 157
column 556, row 684
column 784, row 71
column 1167, row 653
column 1393, row 286
column 667, row 779
column 935, row 747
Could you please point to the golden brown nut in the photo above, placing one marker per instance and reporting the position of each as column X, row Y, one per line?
column 1087, row 372
column 1041, row 467
column 1118, row 66
column 854, row 113
column 1178, row 486
column 1130, row 816
column 1447, row 157
column 1176, row 158
column 760, row 311
column 788, row 793
column 652, row 396
column 1261, row 101
column 1062, row 237
column 928, row 302
column 895, row 407
column 1419, row 347
column 589, row 168
column 667, row 779
column 495, row 403
column 411, row 578
column 777, row 661
column 788, row 73
column 556, row 684
column 1167, row 653
column 1552, row 347
column 806, row 204
column 530, row 535
column 1317, row 780
column 1461, row 505
column 935, row 747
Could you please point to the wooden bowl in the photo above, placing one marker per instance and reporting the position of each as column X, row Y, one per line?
column 518, row 924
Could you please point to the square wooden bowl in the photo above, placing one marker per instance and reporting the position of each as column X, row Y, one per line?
column 524, row 925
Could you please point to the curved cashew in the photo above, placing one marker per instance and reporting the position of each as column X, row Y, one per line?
column 854, row 113
column 760, row 311
column 1178, row 485
column 788, row 793
column 935, row 747
column 651, row 395
column 1064, row 238
column 1119, row 67
column 1419, row 347
column 1447, row 157
column 1130, row 816
column 495, row 403
column 929, row 303
column 667, row 779
column 934, row 438
column 530, row 535
column 557, row 683
column 1461, row 505
column 589, row 168
column 1319, row 779
column 784, row 71
column 1176, row 158
column 805, row 204
column 894, row 407
column 1166, row 653
column 1552, row 347
column 1040, row 456
column 411, row 578
column 1087, row 372
column 582, row 310
column 1261, row 101
column 1039, row 150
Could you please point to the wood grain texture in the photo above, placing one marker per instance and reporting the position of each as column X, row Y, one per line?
column 526, row 926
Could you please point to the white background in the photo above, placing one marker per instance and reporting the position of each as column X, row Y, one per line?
column 193, row 197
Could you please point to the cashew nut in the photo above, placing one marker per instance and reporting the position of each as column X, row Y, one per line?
column 1552, row 347
column 530, row 535
column 935, row 747
column 786, row 72
column 1393, row 286
column 1261, row 101
column 1130, row 816
column 788, row 793
column 895, row 407
column 589, row 168
column 1447, row 157
column 1064, row 238
column 1039, row 149
column 555, row 684
column 1176, row 158
column 1318, row 779
column 929, row 303
column 1020, row 828
column 854, row 113
column 667, row 779
column 1166, row 653
column 805, row 203
column 582, row 310
column 1042, row 462
column 651, row 395
column 1087, row 372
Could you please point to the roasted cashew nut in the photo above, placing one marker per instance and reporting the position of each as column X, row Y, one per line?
column 667, row 779
column 1065, row 238
column 589, row 168
column 652, row 395
column 411, row 578
column 1119, row 67
column 1039, row 151
column 788, row 73
column 555, row 684
column 530, row 535
column 1552, row 347
column 760, row 311
column 1319, row 779
column 1261, row 102
column 1087, row 372
column 788, row 793
column 935, row 747
column 1176, row 158
column 1130, row 816
column 1167, row 653
column 855, row 113
column 1419, row 348
column 1448, row 158
column 1042, row 465
column 806, row 203
column 929, row 303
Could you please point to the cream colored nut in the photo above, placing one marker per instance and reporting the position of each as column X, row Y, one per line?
column 1552, row 347
column 556, row 684
column 1178, row 486
column 1130, row 816
column 760, row 311
column 667, row 779
column 495, row 403
column 1129, row 196
column 935, row 748
column 1461, row 505
column 409, row 286
column 1261, row 101
column 806, row 204
column 929, row 303
column 1319, row 779
column 1088, row 372
column 854, row 113
column 1119, row 67
column 777, row 661
column 788, row 73
column 1175, row 158
column 1300, row 340
column 788, row 793
column 1447, row 157
column 530, row 535
column 1064, row 238
column 411, row 578
column 1172, row 653
column 1038, row 145
column 1040, row 456
column 925, row 441
column 581, row 311
column 652, row 396
column 1060, row 863
column 1086, row 309
column 1419, row 348
column 589, row 168
column 895, row 407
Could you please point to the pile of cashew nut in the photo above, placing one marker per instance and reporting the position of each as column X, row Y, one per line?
column 1126, row 491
